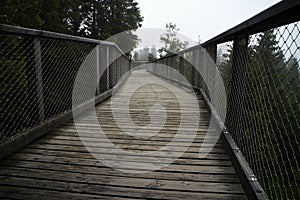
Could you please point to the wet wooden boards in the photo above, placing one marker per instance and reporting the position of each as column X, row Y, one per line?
column 58, row 165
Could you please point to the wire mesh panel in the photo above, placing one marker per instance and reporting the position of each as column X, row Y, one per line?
column 268, row 132
column 38, row 73
column 18, row 73
column 104, row 81
column 111, row 68
column 36, row 79
column 60, row 63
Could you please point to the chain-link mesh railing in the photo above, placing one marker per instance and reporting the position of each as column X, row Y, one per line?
column 38, row 73
column 265, row 72
column 196, row 69
column 261, row 75
column 138, row 65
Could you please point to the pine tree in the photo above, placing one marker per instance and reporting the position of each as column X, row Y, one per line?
column 24, row 13
column 106, row 18
column 97, row 19
column 172, row 44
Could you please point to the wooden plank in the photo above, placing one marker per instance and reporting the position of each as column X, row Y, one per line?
column 129, row 146
column 87, row 155
column 132, row 182
column 136, row 193
column 74, row 139
column 64, row 164
column 90, row 136
column 139, row 166
column 22, row 192
column 59, row 165
column 32, row 155
column 96, row 151
column 113, row 133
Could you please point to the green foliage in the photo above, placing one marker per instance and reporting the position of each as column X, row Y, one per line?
column 97, row 19
column 145, row 54
column 122, row 14
column 151, row 57
column 21, row 13
column 53, row 14
column 172, row 44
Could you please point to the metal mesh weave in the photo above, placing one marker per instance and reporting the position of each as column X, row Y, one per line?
column 38, row 74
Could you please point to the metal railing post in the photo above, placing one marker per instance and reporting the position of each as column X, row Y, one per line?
column 39, row 78
column 181, row 65
column 114, row 64
column 167, row 69
column 202, row 68
column 211, row 71
column 98, row 69
column 172, row 66
column 111, row 70
column 212, row 51
column 196, row 65
column 237, row 85
column 193, row 68
column 106, row 57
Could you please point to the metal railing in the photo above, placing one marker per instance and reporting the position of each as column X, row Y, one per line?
column 138, row 65
column 261, row 74
column 38, row 70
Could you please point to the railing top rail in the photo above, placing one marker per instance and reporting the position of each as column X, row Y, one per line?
column 52, row 35
column 284, row 12
column 140, row 61
column 44, row 34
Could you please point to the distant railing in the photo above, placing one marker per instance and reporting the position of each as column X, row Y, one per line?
column 260, row 69
column 38, row 70
column 138, row 65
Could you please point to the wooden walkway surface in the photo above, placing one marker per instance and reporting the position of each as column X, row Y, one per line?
column 58, row 166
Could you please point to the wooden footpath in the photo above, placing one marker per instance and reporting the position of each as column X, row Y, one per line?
column 59, row 166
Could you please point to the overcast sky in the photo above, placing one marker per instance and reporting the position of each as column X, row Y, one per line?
column 206, row 18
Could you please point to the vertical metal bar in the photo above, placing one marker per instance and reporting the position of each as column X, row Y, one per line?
column 167, row 67
column 106, row 50
column 130, row 65
column 119, row 62
column 98, row 69
column 114, row 64
column 196, row 65
column 39, row 77
column 201, row 68
column 237, row 85
column 103, row 66
column 111, row 68
column 122, row 65
column 164, row 68
column 211, row 69
column 206, row 69
column 212, row 51
column 172, row 67
column 193, row 68
column 181, row 66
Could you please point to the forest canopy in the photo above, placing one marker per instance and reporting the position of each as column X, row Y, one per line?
column 97, row 19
